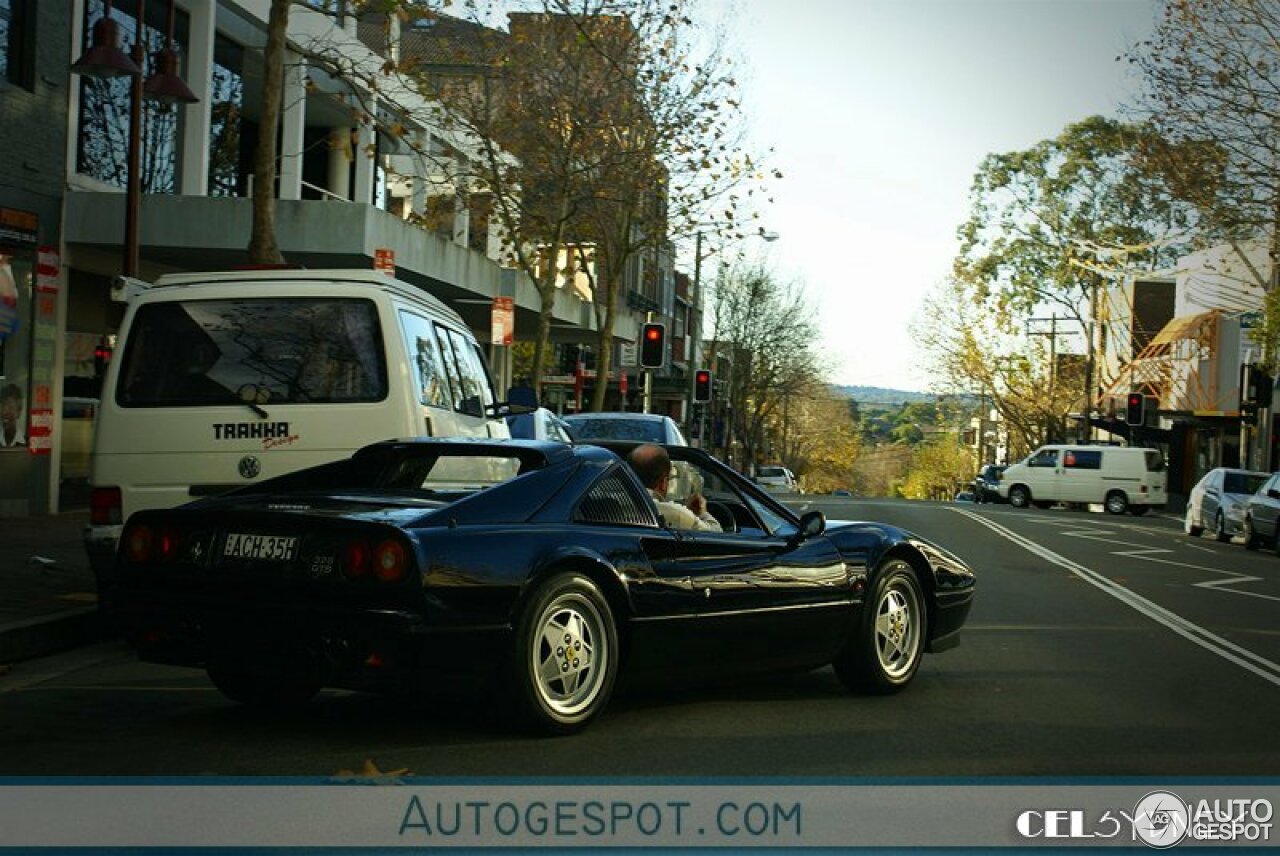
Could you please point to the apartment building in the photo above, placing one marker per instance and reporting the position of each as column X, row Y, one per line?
column 365, row 175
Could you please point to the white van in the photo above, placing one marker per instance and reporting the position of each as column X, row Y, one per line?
column 1122, row 479
column 222, row 379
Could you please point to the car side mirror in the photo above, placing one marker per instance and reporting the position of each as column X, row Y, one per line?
column 812, row 524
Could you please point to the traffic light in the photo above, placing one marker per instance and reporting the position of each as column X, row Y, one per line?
column 653, row 346
column 1135, row 409
column 1255, row 388
column 701, row 386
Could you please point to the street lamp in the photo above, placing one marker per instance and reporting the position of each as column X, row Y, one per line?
column 104, row 59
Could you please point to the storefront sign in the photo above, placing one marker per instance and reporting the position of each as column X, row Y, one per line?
column 40, row 431
column 18, row 227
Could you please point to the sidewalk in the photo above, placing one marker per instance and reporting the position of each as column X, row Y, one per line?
column 48, row 601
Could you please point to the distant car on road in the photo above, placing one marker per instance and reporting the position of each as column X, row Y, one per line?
column 1262, row 515
column 777, row 479
column 966, row 496
column 1218, row 500
column 986, row 485
column 640, row 427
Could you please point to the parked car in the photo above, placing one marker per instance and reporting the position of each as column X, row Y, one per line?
column 1121, row 478
column 1218, row 500
column 777, row 479
column 965, row 496
column 1262, row 515
column 641, row 427
column 537, row 569
column 541, row 424
column 986, row 485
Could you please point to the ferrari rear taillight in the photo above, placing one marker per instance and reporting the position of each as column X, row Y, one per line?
column 384, row 562
column 388, row 561
column 139, row 543
column 142, row 543
column 106, row 506
column 355, row 559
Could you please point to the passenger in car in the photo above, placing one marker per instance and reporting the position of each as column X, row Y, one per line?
column 653, row 465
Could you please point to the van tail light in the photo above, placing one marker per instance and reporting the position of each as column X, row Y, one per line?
column 106, row 506
column 389, row 561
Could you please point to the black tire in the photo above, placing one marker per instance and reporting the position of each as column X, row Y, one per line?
column 889, row 641
column 1251, row 539
column 267, row 691
column 1220, row 529
column 560, row 684
column 1019, row 496
column 1116, row 502
column 1139, row 510
column 1043, row 504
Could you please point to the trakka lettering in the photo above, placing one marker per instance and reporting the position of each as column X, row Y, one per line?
column 249, row 430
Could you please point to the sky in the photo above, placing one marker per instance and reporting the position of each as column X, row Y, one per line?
column 880, row 112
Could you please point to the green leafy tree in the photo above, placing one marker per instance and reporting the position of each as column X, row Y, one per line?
column 1040, row 220
column 1211, row 91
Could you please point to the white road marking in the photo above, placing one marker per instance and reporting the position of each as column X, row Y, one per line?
column 1242, row 657
column 1147, row 553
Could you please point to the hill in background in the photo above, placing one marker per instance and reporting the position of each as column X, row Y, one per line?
column 881, row 395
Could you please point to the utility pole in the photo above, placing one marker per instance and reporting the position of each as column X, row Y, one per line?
column 1053, row 362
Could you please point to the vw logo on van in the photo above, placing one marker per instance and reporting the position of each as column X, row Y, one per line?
column 250, row 467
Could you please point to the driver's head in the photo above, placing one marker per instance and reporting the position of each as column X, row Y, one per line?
column 653, row 465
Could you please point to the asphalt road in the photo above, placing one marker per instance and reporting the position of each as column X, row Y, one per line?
column 1098, row 646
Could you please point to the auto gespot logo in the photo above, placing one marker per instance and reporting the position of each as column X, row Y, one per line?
column 1160, row 819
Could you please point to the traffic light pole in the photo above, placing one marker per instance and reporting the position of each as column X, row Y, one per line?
column 647, row 400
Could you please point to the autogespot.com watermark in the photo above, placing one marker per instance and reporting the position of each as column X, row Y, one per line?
column 1160, row 819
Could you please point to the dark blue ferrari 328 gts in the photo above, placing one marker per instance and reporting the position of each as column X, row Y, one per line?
column 539, row 570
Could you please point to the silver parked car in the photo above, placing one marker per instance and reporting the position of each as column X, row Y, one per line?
column 1218, row 500
column 1262, row 515
column 641, row 427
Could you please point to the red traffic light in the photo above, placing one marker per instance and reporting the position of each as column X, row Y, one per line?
column 701, row 386
column 653, row 346
column 1135, row 409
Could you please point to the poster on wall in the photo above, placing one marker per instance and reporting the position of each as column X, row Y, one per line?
column 8, row 298
column 13, row 414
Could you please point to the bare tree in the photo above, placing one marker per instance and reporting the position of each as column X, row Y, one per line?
column 768, row 330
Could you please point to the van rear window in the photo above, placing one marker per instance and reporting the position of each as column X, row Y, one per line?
column 1155, row 461
column 255, row 350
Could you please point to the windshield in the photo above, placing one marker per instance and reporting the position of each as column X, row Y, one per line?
column 263, row 351
column 1242, row 482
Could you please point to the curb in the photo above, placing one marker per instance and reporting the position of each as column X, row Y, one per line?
column 49, row 634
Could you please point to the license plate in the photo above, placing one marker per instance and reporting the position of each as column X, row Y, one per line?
column 275, row 548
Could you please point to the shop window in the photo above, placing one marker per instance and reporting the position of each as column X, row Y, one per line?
column 103, row 140
column 18, row 42
column 226, row 109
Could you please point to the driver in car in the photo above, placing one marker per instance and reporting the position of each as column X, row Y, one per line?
column 653, row 465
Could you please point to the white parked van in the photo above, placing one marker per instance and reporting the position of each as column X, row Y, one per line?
column 1122, row 479
column 223, row 379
